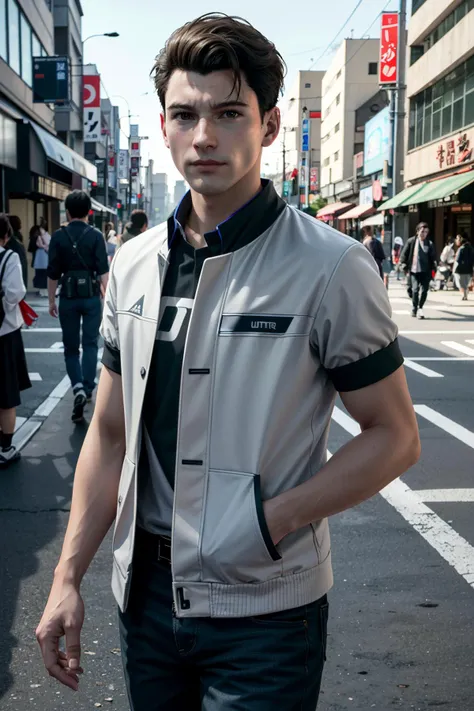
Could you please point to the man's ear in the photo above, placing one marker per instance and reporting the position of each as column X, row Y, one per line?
column 271, row 125
column 163, row 130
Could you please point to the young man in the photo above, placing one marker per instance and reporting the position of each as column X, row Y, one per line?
column 419, row 260
column 228, row 332
column 77, row 257
column 138, row 224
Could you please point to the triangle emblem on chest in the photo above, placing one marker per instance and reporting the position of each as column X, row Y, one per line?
column 137, row 307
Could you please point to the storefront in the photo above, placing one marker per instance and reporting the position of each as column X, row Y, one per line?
column 333, row 214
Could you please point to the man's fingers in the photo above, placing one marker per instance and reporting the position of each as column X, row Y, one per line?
column 61, row 675
column 73, row 646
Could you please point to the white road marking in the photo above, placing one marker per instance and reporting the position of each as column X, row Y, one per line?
column 422, row 369
column 33, row 329
column 445, row 496
column 20, row 421
column 458, row 347
column 444, row 539
column 53, row 351
column 35, row 377
column 468, row 340
column 449, row 426
column 441, row 359
column 401, row 312
column 58, row 346
column 434, row 333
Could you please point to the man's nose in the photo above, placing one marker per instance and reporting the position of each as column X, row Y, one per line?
column 205, row 134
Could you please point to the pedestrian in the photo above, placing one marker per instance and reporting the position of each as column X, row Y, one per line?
column 376, row 250
column 138, row 224
column 227, row 333
column 78, row 260
column 418, row 259
column 15, row 243
column 110, row 240
column 396, row 252
column 463, row 264
column 40, row 263
column 13, row 368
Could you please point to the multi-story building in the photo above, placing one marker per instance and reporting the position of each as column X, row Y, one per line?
column 180, row 190
column 37, row 169
column 439, row 162
column 300, row 169
column 156, row 195
column 67, row 17
column 350, row 84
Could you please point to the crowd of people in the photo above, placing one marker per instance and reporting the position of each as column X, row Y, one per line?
column 76, row 259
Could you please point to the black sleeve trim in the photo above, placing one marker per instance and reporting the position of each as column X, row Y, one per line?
column 111, row 358
column 367, row 371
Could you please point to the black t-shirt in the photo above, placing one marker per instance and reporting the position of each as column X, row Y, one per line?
column 90, row 245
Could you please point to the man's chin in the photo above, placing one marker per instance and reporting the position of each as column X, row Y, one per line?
column 209, row 187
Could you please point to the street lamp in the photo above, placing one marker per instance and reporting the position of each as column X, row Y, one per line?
column 103, row 34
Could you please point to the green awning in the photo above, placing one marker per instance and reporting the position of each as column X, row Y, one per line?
column 401, row 199
column 443, row 188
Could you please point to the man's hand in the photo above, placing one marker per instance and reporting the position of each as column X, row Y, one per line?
column 276, row 519
column 63, row 616
column 53, row 309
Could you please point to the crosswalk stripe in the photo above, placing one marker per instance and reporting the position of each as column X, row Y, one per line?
column 35, row 377
column 445, row 540
column 445, row 496
column 449, row 426
column 422, row 369
column 458, row 347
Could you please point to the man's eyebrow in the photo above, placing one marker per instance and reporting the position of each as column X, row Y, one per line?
column 215, row 107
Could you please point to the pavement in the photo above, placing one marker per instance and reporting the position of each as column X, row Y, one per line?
column 401, row 628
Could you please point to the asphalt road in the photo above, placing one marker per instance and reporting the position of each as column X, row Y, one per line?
column 402, row 610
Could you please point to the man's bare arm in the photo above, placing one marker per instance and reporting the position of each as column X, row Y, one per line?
column 388, row 445
column 93, row 510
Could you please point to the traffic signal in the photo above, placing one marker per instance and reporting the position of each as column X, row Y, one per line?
column 119, row 210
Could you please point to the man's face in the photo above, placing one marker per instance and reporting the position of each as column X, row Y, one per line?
column 215, row 136
column 423, row 233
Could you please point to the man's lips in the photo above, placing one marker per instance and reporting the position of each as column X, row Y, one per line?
column 207, row 163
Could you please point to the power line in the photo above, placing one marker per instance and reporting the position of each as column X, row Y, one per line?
column 358, row 4
column 389, row 2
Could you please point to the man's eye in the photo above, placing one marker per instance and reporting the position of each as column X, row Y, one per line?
column 183, row 116
column 231, row 114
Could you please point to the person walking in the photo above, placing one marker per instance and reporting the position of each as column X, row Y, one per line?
column 418, row 259
column 375, row 248
column 40, row 262
column 110, row 240
column 15, row 243
column 14, row 376
column 222, row 559
column 396, row 252
column 78, row 260
column 463, row 264
column 138, row 224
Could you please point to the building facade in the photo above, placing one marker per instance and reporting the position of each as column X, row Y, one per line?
column 439, row 161
column 37, row 170
column 156, row 195
column 180, row 191
column 301, row 169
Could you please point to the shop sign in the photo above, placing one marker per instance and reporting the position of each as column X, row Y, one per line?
column 388, row 49
column 454, row 152
column 91, row 101
column 314, row 180
column 50, row 80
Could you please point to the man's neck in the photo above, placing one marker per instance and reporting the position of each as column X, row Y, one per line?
column 79, row 219
column 208, row 211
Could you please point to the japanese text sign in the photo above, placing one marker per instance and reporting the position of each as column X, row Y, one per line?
column 388, row 73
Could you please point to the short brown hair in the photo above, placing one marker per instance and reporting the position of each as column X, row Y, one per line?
column 421, row 226
column 216, row 42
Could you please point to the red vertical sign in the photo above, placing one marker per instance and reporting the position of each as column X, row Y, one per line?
column 389, row 41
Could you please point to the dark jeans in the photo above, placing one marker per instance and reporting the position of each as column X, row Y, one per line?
column 71, row 311
column 420, row 284
column 203, row 664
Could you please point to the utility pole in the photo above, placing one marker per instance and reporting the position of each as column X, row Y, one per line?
column 106, row 170
column 398, row 98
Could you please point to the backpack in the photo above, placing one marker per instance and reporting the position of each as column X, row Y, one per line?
column 4, row 257
column 465, row 260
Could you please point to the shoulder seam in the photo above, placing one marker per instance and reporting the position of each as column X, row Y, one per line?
column 330, row 280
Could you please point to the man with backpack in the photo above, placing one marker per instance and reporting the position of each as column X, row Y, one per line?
column 78, row 260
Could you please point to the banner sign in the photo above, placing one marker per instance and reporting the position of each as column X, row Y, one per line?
column 91, row 101
column 50, row 80
column 123, row 164
column 389, row 40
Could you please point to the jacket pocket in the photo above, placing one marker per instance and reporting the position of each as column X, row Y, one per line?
column 236, row 545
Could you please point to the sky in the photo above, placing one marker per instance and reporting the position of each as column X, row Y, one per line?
column 304, row 33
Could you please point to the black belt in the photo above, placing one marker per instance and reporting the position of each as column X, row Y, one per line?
column 153, row 545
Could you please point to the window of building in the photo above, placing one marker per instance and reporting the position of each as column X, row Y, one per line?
column 14, row 36
column 337, row 128
column 326, row 162
column 373, row 68
column 35, row 46
column 26, row 64
column 3, row 29
column 336, row 156
column 307, row 86
column 338, row 99
column 445, row 107
column 441, row 30
column 416, row 4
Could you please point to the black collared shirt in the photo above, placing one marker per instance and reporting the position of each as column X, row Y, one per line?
column 90, row 245
column 161, row 404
